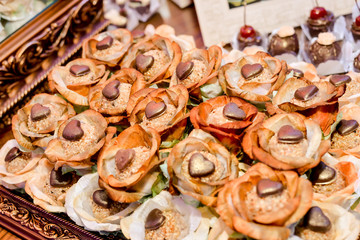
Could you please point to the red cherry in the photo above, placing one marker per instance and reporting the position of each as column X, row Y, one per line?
column 357, row 21
column 318, row 12
column 247, row 31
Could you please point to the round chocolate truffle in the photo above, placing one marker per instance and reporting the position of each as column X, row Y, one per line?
column 285, row 41
column 324, row 48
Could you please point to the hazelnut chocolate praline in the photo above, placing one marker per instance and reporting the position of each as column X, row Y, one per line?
column 321, row 53
column 279, row 45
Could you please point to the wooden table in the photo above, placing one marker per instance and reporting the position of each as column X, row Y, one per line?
column 183, row 20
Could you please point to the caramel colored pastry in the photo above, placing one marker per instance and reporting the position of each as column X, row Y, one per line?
column 111, row 97
column 284, row 41
column 127, row 160
column 199, row 166
column 346, row 138
column 156, row 58
column 35, row 123
column 286, row 141
column 164, row 217
column 226, row 118
column 324, row 48
column 253, row 78
column 16, row 165
column 316, row 100
column 197, row 67
column 320, row 20
column 108, row 47
column 161, row 109
column 89, row 205
column 263, row 202
column 48, row 186
column 74, row 80
column 328, row 221
column 77, row 139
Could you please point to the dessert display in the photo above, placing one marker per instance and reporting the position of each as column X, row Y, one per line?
column 320, row 20
column 284, row 41
column 324, row 48
column 146, row 136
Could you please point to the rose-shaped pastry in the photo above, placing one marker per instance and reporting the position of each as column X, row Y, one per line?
column 48, row 186
column 351, row 95
column 197, row 67
column 286, row 141
column 333, row 180
column 126, row 160
column 16, row 165
column 88, row 205
column 315, row 100
column 164, row 217
column 304, row 69
column 328, row 221
column 253, row 77
column 77, row 139
column 226, row 118
column 108, row 47
column 346, row 138
column 161, row 109
column 74, row 80
column 156, row 58
column 34, row 124
column 111, row 97
column 199, row 166
column 264, row 202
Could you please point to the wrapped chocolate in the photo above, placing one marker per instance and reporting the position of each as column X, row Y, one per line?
column 248, row 37
column 111, row 97
column 108, row 47
column 156, row 58
column 17, row 165
column 143, row 9
column 48, row 186
column 161, row 109
column 286, row 141
column 264, row 202
column 328, row 221
column 74, row 80
column 253, row 78
column 226, row 118
column 199, row 166
column 34, row 124
column 127, row 160
column 77, row 139
column 88, row 205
